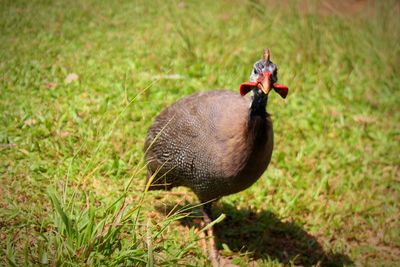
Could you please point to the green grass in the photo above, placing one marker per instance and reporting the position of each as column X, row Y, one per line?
column 71, row 160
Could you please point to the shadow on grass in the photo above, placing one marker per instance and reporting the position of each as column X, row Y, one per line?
column 265, row 236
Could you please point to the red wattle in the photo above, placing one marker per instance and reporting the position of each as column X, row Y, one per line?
column 246, row 87
column 281, row 89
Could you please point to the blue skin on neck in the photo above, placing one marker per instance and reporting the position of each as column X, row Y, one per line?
column 258, row 103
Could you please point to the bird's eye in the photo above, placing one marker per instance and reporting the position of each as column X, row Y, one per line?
column 255, row 71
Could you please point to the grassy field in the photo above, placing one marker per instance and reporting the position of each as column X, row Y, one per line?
column 81, row 82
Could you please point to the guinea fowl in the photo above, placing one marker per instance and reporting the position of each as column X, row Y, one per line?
column 216, row 143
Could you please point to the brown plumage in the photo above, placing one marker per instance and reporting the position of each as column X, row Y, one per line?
column 211, row 143
column 216, row 143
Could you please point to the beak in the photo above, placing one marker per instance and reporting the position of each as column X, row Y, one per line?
column 264, row 82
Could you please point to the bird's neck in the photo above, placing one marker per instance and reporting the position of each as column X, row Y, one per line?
column 258, row 105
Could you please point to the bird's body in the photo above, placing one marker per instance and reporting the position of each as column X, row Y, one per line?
column 216, row 143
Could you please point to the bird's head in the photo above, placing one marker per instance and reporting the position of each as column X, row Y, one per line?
column 263, row 78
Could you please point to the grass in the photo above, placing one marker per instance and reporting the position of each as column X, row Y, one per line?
column 71, row 160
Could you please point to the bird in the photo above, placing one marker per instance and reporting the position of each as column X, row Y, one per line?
column 216, row 143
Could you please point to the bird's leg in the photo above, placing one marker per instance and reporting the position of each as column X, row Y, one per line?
column 202, row 235
column 213, row 252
